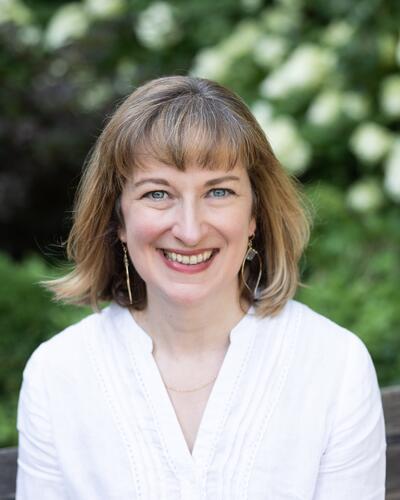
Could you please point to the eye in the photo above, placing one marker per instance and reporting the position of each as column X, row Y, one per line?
column 220, row 192
column 156, row 195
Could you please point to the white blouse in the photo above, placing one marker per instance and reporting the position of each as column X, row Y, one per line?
column 294, row 414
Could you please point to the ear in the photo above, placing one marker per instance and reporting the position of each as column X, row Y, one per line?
column 252, row 226
column 121, row 224
column 122, row 234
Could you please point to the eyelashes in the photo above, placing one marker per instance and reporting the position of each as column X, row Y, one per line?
column 161, row 195
column 221, row 192
column 156, row 195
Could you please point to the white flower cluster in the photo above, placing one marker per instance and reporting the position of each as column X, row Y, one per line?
column 104, row 8
column 263, row 113
column 214, row 63
column 291, row 4
column 370, row 142
column 356, row 105
column 282, row 132
column 338, row 34
column 270, row 50
column 306, row 69
column 390, row 96
column 326, row 108
column 29, row 34
column 70, row 21
column 392, row 172
column 331, row 104
column 95, row 95
column 242, row 40
column 157, row 27
column 281, row 19
column 250, row 5
column 211, row 63
column 365, row 195
column 14, row 11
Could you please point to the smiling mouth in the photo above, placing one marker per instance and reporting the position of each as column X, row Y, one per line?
column 189, row 260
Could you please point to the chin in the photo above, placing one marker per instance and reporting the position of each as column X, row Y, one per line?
column 187, row 300
column 188, row 297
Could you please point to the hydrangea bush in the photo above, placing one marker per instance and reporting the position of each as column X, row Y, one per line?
column 324, row 82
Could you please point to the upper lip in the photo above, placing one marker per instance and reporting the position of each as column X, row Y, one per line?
column 187, row 252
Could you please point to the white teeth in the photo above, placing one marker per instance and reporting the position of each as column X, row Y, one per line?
column 188, row 259
column 207, row 255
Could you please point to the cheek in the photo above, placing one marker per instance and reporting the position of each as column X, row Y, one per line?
column 237, row 227
column 141, row 230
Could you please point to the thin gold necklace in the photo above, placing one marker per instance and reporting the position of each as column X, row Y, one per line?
column 191, row 390
column 187, row 390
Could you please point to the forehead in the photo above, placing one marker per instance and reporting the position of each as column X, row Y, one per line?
column 155, row 170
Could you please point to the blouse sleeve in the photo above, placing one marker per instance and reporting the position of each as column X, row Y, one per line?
column 353, row 464
column 38, row 474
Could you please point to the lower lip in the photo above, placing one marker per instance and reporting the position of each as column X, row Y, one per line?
column 187, row 268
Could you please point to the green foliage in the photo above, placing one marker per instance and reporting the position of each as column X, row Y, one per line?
column 27, row 318
column 352, row 273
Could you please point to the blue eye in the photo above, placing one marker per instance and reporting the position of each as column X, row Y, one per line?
column 220, row 192
column 156, row 195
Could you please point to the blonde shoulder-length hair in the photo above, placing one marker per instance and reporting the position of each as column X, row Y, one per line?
column 180, row 120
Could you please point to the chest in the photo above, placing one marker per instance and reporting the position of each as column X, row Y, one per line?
column 189, row 409
column 244, row 432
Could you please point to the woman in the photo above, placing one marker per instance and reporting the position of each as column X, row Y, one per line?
column 203, row 379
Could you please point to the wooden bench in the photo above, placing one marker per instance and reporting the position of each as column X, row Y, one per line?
column 8, row 471
column 391, row 406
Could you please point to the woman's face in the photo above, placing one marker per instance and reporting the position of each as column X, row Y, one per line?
column 187, row 232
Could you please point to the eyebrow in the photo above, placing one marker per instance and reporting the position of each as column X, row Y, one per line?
column 163, row 182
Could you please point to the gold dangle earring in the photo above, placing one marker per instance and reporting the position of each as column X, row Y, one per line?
column 126, row 264
column 250, row 254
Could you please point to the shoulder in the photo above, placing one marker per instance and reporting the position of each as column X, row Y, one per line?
column 327, row 363
column 333, row 349
column 315, row 327
column 319, row 341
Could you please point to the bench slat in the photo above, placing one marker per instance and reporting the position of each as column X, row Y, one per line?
column 393, row 469
column 391, row 405
column 8, row 472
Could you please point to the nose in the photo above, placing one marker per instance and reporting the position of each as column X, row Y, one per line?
column 189, row 224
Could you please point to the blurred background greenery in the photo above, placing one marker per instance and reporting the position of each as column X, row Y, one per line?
column 322, row 78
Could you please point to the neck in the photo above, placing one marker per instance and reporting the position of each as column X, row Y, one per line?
column 182, row 330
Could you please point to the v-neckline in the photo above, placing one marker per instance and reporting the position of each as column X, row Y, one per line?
column 219, row 401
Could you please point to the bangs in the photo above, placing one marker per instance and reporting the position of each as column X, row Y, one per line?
column 191, row 130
